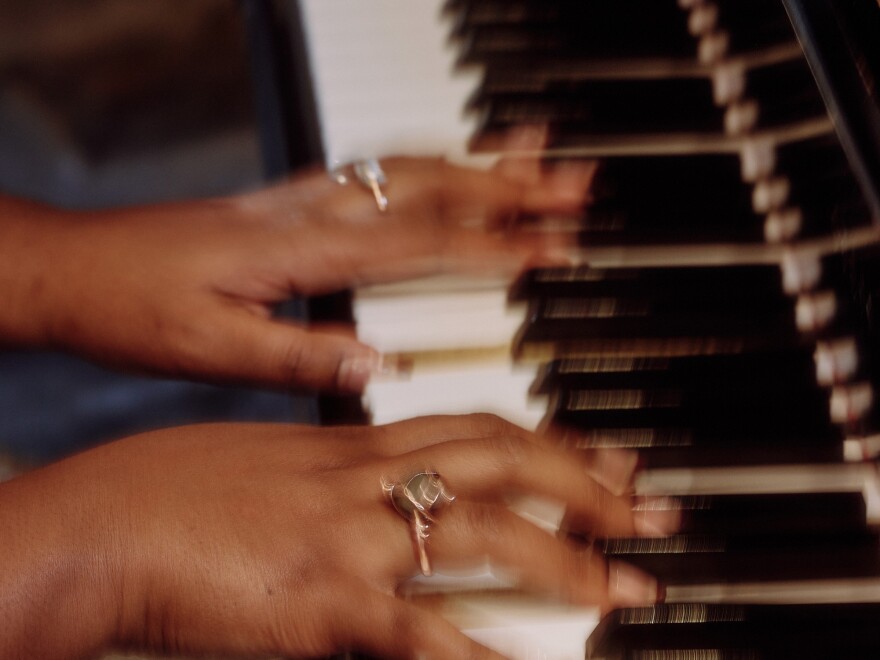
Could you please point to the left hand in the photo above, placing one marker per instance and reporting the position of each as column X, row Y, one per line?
column 188, row 289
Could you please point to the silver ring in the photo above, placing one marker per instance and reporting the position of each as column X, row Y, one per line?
column 416, row 501
column 370, row 175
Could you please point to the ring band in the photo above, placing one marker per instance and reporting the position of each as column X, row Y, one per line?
column 370, row 175
column 416, row 501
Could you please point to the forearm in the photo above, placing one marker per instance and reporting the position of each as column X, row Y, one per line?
column 55, row 576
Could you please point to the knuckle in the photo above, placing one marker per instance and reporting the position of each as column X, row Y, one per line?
column 583, row 573
column 193, row 345
column 382, row 439
column 403, row 622
column 292, row 355
column 487, row 522
column 510, row 453
column 490, row 424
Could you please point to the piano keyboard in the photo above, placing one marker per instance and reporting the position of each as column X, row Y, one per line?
column 716, row 321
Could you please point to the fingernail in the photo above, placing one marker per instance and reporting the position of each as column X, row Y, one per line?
column 356, row 371
column 628, row 585
column 615, row 468
column 558, row 257
column 395, row 367
column 656, row 516
column 526, row 138
column 571, row 181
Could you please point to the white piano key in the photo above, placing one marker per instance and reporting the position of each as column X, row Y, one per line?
column 854, row 590
column 531, row 630
column 419, row 114
column 819, row 478
column 497, row 387
column 426, row 321
column 396, row 94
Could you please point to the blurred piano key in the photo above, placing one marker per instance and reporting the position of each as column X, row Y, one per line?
column 384, row 80
column 761, row 172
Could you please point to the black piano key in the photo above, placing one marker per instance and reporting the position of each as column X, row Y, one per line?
column 715, row 426
column 669, row 226
column 676, row 336
column 823, row 188
column 576, row 29
column 770, row 513
column 656, row 307
column 785, row 93
column 750, row 428
column 765, row 370
column 518, row 12
column 664, row 407
column 691, row 191
column 499, row 32
column 595, row 107
column 816, row 174
column 736, row 283
column 513, row 12
column 653, row 175
column 506, row 46
column 738, row 631
column 709, row 559
column 725, row 332
column 833, row 217
column 759, row 35
column 807, row 158
column 695, row 402
column 771, row 451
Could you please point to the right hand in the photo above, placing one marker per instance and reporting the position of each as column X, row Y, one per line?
column 272, row 539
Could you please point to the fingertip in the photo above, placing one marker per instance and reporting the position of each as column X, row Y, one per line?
column 357, row 370
column 630, row 587
column 615, row 469
column 656, row 517
column 529, row 137
column 566, row 188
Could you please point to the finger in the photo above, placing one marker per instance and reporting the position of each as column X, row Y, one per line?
column 537, row 560
column 507, row 464
column 412, row 434
column 520, row 163
column 443, row 187
column 498, row 193
column 569, row 180
column 388, row 627
column 371, row 254
column 613, row 468
column 275, row 352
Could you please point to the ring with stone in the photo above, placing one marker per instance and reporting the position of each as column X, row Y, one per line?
column 370, row 175
column 417, row 500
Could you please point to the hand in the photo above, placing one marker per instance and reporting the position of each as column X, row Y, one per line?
column 188, row 289
column 271, row 539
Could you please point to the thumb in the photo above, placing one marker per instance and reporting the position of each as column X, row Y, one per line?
column 279, row 353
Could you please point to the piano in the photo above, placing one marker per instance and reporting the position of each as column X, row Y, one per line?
column 720, row 313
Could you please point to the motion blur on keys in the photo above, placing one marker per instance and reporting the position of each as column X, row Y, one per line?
column 442, row 329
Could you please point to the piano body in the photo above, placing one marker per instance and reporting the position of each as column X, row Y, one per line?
column 720, row 317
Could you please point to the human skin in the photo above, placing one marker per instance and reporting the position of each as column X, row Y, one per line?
column 188, row 289
column 270, row 539
column 249, row 539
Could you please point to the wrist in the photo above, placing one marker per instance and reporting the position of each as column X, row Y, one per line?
column 58, row 584
column 33, row 243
